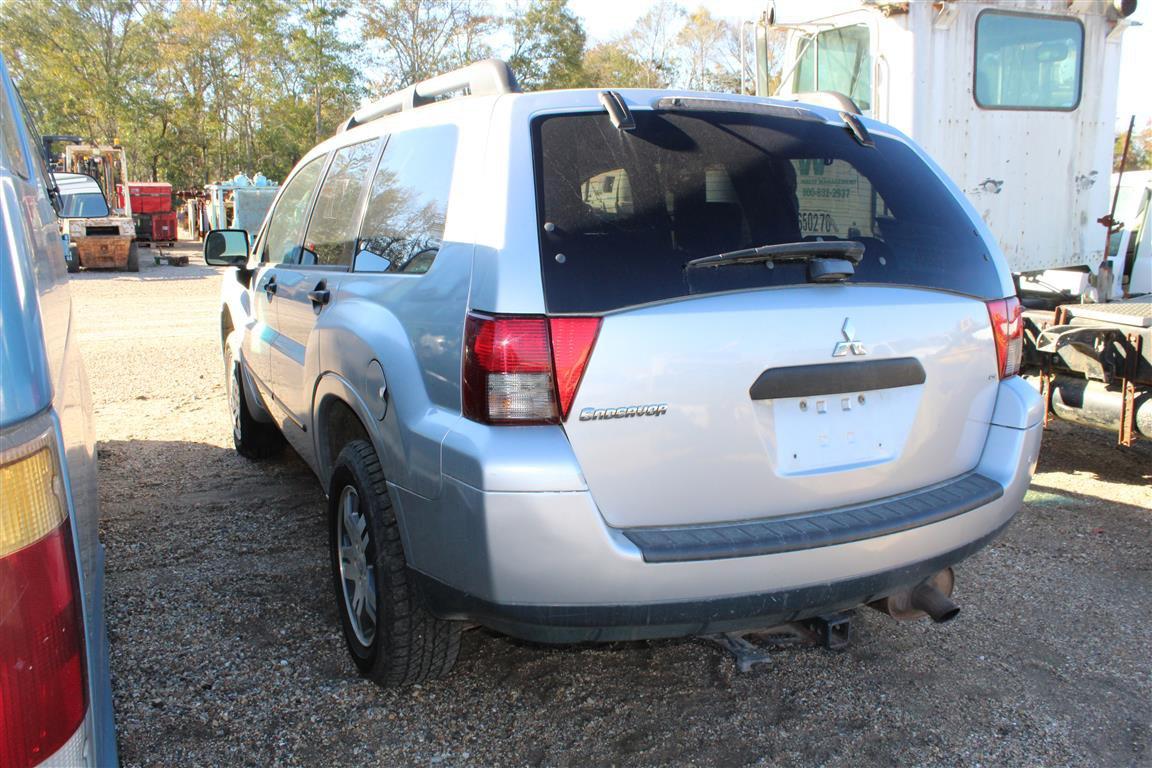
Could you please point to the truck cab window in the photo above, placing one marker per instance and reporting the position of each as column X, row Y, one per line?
column 837, row 60
column 1028, row 62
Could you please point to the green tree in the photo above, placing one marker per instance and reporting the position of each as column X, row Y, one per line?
column 1139, row 150
column 612, row 65
column 653, row 43
column 708, row 45
column 421, row 38
column 79, row 63
column 325, row 60
column 547, row 46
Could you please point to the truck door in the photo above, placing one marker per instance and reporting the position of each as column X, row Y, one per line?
column 307, row 282
column 1034, row 179
column 281, row 243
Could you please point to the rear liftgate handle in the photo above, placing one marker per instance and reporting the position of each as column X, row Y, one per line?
column 319, row 295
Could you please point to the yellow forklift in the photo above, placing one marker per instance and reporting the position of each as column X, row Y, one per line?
column 98, row 236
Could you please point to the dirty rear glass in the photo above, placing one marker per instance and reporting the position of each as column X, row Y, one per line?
column 622, row 212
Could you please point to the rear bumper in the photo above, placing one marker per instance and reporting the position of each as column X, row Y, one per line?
column 545, row 566
column 643, row 621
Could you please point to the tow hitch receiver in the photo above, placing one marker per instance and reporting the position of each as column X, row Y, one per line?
column 753, row 646
column 833, row 631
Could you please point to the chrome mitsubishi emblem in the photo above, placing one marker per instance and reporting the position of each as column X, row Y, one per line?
column 849, row 344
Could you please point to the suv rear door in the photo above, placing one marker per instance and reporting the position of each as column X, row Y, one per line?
column 774, row 395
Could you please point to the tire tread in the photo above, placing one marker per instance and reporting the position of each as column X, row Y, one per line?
column 413, row 645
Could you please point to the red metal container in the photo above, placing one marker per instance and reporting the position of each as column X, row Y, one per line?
column 147, row 197
column 164, row 227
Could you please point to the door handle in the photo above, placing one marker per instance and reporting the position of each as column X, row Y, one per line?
column 320, row 295
column 270, row 287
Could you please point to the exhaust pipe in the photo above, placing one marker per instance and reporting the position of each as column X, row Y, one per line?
column 931, row 597
column 926, row 597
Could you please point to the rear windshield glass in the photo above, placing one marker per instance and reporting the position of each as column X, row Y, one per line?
column 622, row 212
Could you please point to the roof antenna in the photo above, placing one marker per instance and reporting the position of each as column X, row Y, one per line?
column 618, row 111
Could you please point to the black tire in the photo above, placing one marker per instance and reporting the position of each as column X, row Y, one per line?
column 73, row 259
column 253, row 439
column 407, row 644
column 133, row 264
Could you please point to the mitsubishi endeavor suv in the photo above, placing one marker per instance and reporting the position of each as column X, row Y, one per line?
column 606, row 365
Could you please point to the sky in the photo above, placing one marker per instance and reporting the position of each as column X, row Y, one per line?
column 606, row 19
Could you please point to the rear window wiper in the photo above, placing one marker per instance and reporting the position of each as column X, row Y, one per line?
column 846, row 250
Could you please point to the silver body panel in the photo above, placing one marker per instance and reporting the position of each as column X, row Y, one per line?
column 532, row 515
column 769, row 457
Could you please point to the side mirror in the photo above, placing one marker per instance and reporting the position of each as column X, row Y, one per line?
column 226, row 248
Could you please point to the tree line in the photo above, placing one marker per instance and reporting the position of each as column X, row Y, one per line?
column 198, row 90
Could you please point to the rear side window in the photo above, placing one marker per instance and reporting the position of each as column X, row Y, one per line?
column 332, row 229
column 408, row 201
column 1028, row 62
column 282, row 245
column 702, row 183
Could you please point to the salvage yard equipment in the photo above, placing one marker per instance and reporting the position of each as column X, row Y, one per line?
column 1016, row 102
column 151, row 211
column 240, row 202
column 99, row 236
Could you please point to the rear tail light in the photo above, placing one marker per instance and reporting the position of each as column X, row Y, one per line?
column 1008, row 330
column 42, row 680
column 524, row 369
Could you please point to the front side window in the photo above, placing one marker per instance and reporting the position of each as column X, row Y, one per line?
column 837, row 60
column 404, row 221
column 332, row 229
column 1028, row 62
column 282, row 244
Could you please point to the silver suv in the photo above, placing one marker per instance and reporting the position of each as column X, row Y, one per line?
column 604, row 365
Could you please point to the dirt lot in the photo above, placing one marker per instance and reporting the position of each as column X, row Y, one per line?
column 226, row 648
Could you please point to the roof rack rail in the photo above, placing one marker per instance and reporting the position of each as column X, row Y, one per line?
column 490, row 77
column 831, row 99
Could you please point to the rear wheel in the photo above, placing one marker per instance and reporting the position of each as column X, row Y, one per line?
column 73, row 259
column 253, row 439
column 133, row 264
column 392, row 636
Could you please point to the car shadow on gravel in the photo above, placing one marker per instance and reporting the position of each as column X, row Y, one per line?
column 1072, row 448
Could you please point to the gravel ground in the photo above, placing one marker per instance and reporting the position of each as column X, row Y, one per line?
column 226, row 647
